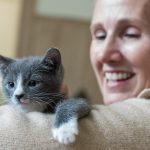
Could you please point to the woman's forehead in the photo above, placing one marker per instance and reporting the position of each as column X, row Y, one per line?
column 138, row 9
column 124, row 2
column 137, row 4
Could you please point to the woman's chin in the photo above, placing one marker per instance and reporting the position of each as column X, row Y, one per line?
column 115, row 97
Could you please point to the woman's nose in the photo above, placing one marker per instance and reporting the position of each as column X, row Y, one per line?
column 111, row 51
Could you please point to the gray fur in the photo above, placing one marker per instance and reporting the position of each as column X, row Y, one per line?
column 41, row 81
column 71, row 108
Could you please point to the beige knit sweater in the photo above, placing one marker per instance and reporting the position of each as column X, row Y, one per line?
column 120, row 126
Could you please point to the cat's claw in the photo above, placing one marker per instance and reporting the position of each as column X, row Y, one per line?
column 67, row 132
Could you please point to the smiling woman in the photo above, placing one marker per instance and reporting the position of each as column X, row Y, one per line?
column 120, row 49
column 120, row 52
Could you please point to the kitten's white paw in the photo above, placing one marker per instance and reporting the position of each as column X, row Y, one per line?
column 67, row 132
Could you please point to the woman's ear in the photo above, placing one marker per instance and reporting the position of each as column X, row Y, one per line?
column 52, row 59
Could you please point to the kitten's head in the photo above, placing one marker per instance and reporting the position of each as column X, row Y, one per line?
column 32, row 83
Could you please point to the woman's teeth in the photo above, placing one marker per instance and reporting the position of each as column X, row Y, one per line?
column 118, row 76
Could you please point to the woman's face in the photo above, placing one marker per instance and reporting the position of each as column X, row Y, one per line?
column 120, row 48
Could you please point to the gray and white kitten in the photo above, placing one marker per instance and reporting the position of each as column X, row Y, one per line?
column 33, row 84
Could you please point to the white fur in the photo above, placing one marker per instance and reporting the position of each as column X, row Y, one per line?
column 67, row 132
column 19, row 89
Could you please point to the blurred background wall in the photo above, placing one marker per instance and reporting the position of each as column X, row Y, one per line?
column 29, row 27
column 10, row 20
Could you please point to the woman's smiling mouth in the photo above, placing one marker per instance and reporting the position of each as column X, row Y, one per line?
column 117, row 80
column 118, row 75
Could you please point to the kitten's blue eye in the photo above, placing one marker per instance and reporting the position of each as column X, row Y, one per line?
column 32, row 83
column 11, row 84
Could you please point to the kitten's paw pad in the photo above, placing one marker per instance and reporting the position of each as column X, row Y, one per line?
column 67, row 132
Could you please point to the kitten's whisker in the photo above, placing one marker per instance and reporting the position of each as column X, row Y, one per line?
column 49, row 98
column 38, row 103
column 2, row 96
column 40, row 100
column 49, row 94
column 51, row 101
column 2, row 103
column 2, row 99
column 54, row 98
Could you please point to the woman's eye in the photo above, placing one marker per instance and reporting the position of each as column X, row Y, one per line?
column 129, row 35
column 132, row 33
column 32, row 83
column 100, row 35
column 11, row 84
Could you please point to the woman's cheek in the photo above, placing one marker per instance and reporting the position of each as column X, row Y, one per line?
column 138, row 55
column 93, row 53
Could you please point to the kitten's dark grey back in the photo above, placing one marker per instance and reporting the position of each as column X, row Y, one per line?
column 34, row 80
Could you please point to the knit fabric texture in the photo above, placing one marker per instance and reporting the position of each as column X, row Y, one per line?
column 119, row 126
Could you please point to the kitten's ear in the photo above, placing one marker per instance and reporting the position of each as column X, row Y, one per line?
column 4, row 62
column 52, row 59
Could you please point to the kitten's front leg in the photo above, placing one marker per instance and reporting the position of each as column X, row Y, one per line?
column 66, row 132
column 68, row 112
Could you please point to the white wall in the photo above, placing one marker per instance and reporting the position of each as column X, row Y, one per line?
column 74, row 9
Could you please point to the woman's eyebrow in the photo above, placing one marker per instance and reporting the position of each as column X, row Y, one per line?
column 121, row 22
column 130, row 20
